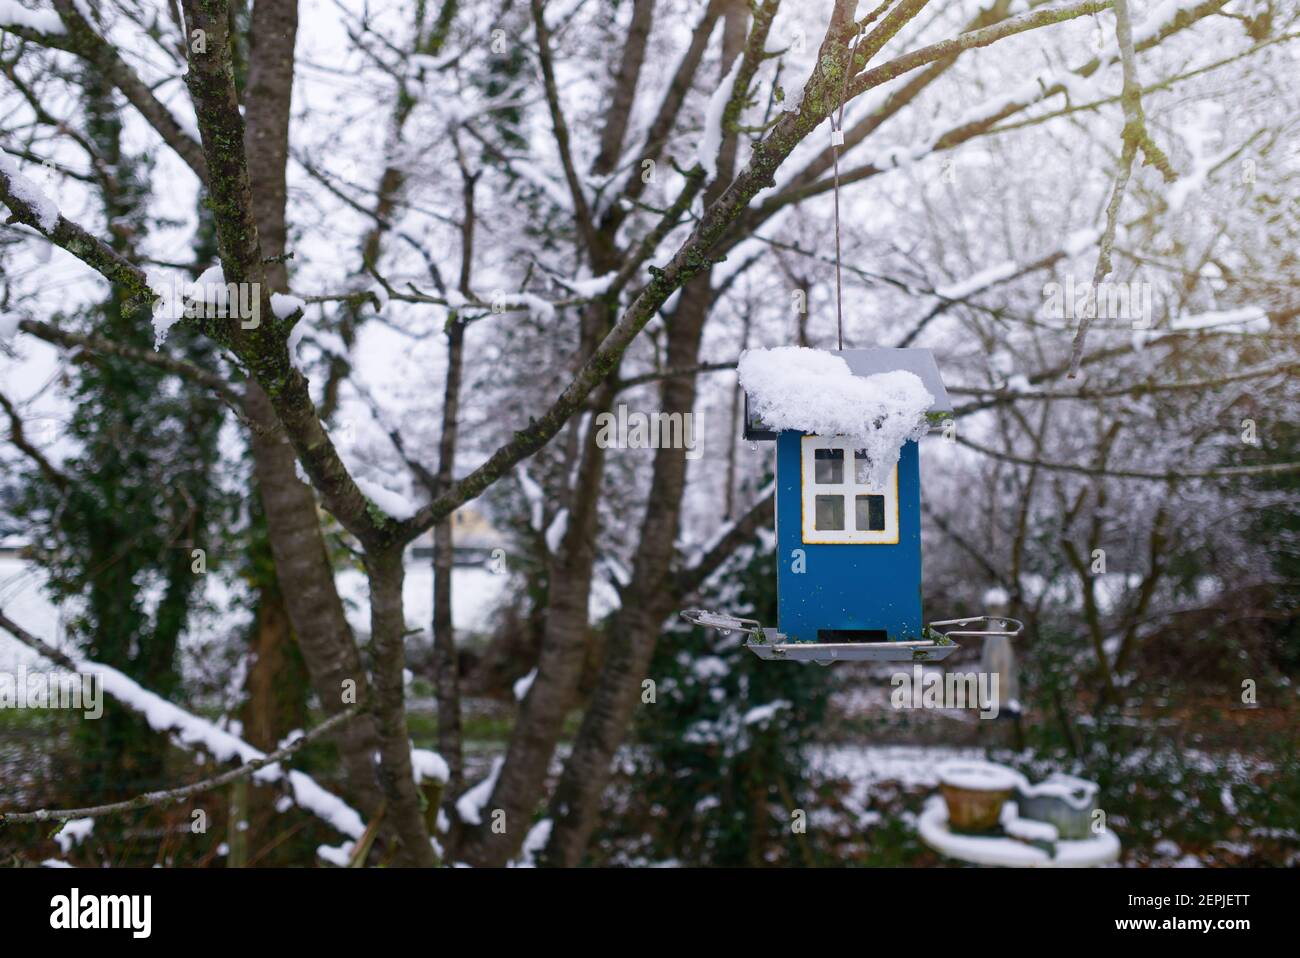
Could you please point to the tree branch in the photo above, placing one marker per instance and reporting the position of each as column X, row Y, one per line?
column 741, row 531
column 660, row 374
column 695, row 254
column 262, row 348
column 665, row 118
column 196, row 732
column 107, row 347
column 71, row 237
column 17, row 437
column 973, row 39
column 957, row 135
column 625, row 81
column 1137, row 389
column 1135, row 137
column 1226, row 472
column 581, row 209
column 171, row 796
column 82, row 40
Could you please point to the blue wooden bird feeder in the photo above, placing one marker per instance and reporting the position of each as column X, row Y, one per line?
column 848, row 531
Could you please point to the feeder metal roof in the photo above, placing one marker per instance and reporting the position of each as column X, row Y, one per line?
column 869, row 362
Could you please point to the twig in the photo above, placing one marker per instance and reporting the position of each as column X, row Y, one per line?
column 107, row 347
column 1136, row 138
column 1227, row 472
column 1136, row 389
column 581, row 209
column 20, row 441
column 680, row 371
column 314, row 799
column 173, row 795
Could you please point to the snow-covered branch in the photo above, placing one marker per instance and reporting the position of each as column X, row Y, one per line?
column 170, row 796
column 194, row 732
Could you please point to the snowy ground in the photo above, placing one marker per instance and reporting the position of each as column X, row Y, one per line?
column 911, row 766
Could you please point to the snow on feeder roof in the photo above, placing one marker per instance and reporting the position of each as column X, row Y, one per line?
column 878, row 398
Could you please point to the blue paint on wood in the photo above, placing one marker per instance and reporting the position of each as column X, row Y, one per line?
column 847, row 586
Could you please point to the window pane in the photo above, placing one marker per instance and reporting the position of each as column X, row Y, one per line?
column 828, row 465
column 871, row 513
column 829, row 513
column 861, row 467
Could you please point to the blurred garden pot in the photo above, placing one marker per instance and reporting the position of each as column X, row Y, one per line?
column 1063, row 800
column 975, row 792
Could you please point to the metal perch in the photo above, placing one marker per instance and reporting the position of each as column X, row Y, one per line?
column 770, row 644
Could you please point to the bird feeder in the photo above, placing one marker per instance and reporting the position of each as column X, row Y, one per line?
column 848, row 505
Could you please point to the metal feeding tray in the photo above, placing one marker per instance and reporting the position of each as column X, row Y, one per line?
column 770, row 644
column 825, row 653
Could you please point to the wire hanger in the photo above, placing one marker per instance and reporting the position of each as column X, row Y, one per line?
column 837, row 140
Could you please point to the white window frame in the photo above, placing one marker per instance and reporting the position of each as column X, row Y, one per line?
column 850, row 488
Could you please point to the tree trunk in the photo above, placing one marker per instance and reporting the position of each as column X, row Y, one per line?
column 273, row 33
column 737, row 410
column 647, row 601
column 536, row 732
column 624, row 92
column 237, row 825
column 446, row 661
column 273, row 706
column 396, row 777
column 274, row 703
column 293, row 524
column 650, row 595
column 311, row 598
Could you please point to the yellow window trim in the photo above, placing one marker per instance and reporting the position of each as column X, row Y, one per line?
column 849, row 488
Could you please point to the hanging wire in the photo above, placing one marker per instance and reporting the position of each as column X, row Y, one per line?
column 837, row 137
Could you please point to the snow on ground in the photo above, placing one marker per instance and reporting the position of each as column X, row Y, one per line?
column 911, row 766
